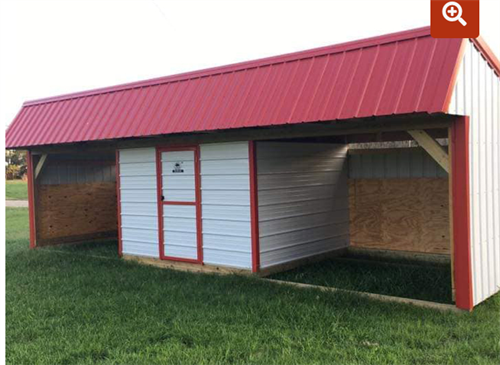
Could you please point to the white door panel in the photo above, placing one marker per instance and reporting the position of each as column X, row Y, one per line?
column 178, row 194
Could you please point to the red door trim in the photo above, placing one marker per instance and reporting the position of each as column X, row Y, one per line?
column 31, row 199
column 197, row 203
column 254, row 206
column 461, row 213
column 118, row 203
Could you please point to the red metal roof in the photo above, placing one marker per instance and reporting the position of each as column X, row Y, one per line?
column 399, row 73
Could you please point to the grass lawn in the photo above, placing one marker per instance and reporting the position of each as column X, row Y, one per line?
column 16, row 190
column 411, row 280
column 82, row 305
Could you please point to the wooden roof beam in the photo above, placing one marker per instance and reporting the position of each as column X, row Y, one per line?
column 432, row 147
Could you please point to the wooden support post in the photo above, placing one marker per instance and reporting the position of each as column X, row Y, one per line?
column 39, row 165
column 432, row 147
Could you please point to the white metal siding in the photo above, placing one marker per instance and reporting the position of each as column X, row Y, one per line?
column 225, row 185
column 225, row 190
column 477, row 94
column 303, row 200
column 139, row 211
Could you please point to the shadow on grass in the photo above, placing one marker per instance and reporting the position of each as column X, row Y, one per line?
column 414, row 280
column 101, row 248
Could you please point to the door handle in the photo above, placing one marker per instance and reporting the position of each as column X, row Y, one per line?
column 162, row 198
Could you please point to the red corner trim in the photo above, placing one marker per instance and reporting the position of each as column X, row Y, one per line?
column 254, row 206
column 487, row 53
column 31, row 199
column 118, row 204
column 461, row 213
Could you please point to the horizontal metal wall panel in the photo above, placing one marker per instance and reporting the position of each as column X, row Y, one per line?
column 181, row 238
column 140, row 221
column 301, row 222
column 137, row 155
column 145, row 195
column 174, row 156
column 75, row 173
column 406, row 72
column 222, row 242
column 315, row 153
column 138, row 169
column 77, row 169
column 397, row 163
column 225, row 182
column 187, row 195
column 268, row 196
column 138, row 205
column 227, row 258
column 227, row 227
column 146, row 236
column 138, row 209
column 225, row 186
column 308, row 164
column 287, row 254
column 301, row 179
column 139, row 182
column 477, row 94
column 229, row 166
column 179, row 211
column 226, row 212
column 303, row 200
column 135, row 248
column 179, row 224
column 188, row 252
column 215, row 152
column 302, row 237
column 179, row 182
column 287, row 210
column 226, row 197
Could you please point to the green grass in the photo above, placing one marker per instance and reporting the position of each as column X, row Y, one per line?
column 410, row 280
column 80, row 305
column 16, row 190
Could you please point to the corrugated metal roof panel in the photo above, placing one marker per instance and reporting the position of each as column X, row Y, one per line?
column 406, row 72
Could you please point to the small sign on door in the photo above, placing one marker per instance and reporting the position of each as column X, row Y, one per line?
column 178, row 167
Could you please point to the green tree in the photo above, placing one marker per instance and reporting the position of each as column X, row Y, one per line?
column 15, row 164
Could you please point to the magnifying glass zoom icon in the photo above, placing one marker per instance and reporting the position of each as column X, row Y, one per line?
column 452, row 11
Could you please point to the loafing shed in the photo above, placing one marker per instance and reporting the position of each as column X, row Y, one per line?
column 267, row 164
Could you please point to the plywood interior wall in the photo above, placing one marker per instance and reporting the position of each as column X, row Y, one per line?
column 75, row 200
column 76, row 211
column 409, row 214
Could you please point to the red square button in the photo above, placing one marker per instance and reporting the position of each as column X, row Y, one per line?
column 455, row 19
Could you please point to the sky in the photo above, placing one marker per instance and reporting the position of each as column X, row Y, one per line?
column 60, row 46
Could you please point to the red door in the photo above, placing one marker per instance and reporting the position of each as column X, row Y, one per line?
column 179, row 203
